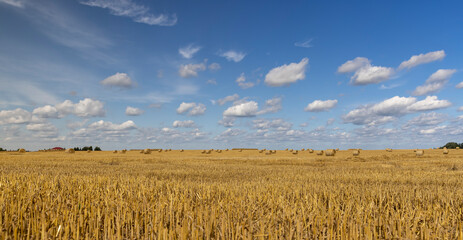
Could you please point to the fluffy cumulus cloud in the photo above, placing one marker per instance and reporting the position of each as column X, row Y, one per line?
column 188, row 51
column 226, row 99
column 435, row 82
column 364, row 72
column 389, row 109
column 184, row 124
column 245, row 109
column 233, row 55
column 121, row 80
column 17, row 116
column 416, row 60
column 192, row 108
column 132, row 111
column 84, row 108
column 460, row 85
column 138, row 13
column 104, row 131
column 241, row 80
column 191, row 70
column 321, row 106
column 287, row 74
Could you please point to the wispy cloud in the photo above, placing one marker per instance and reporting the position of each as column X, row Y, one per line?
column 304, row 44
column 14, row 3
column 188, row 51
column 138, row 13
column 233, row 55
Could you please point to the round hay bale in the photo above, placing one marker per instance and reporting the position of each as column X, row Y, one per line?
column 320, row 153
column 355, row 152
column 22, row 150
column 88, row 151
column 123, row 151
column 330, row 152
column 388, row 150
column 295, row 152
column 141, row 151
column 337, row 149
column 204, row 151
column 457, row 148
column 115, row 151
column 182, row 150
column 147, row 151
column 70, row 150
column 286, row 149
column 419, row 153
column 310, row 150
column 446, row 151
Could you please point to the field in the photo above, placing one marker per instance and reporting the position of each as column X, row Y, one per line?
column 231, row 195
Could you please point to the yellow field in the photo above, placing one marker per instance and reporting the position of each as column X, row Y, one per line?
column 231, row 195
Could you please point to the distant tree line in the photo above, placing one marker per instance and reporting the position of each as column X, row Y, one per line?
column 1, row 149
column 452, row 145
column 87, row 148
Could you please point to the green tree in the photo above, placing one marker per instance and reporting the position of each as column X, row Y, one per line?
column 97, row 148
column 452, row 145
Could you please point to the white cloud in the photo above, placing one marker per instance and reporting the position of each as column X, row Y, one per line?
column 193, row 109
column 364, row 72
column 287, row 74
column 132, row 111
column 304, row 44
column 184, row 124
column 371, row 74
column 233, row 55
column 227, row 121
column 241, row 80
column 460, row 109
column 84, row 108
column 429, row 103
column 138, row 13
column 47, row 111
column 389, row 109
column 43, row 130
column 320, row 105
column 226, row 99
column 275, row 124
column 432, row 130
column 426, row 119
column 353, row 65
column 17, row 116
column 435, row 82
column 246, row 109
column 188, row 51
column 109, row 126
column 460, row 85
column 212, row 82
column 191, row 70
column 14, row 3
column 214, row 66
column 121, row 80
column 416, row 60
column 272, row 105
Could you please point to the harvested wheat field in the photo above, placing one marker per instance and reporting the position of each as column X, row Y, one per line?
column 232, row 195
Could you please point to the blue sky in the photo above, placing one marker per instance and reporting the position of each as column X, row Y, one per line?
column 221, row 74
